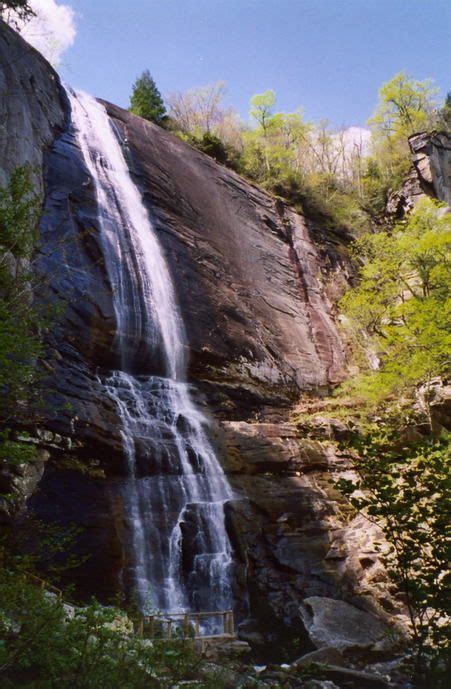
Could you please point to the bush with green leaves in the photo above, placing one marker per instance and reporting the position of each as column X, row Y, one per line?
column 445, row 114
column 46, row 644
column 404, row 487
column 20, row 343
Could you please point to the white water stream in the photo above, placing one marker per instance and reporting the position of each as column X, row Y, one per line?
column 180, row 555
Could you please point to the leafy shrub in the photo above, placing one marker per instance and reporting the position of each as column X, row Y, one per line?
column 404, row 488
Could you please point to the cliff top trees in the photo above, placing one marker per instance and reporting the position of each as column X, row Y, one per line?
column 406, row 106
column 199, row 117
column 261, row 108
column 199, row 110
column 146, row 100
column 445, row 113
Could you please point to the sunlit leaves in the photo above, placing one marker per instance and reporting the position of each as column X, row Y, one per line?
column 402, row 301
column 405, row 488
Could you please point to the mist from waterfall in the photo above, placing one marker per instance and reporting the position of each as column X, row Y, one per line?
column 173, row 498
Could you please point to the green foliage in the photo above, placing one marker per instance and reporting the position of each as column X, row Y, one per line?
column 19, row 347
column 312, row 166
column 261, row 108
column 404, row 488
column 15, row 452
column 146, row 100
column 402, row 301
column 213, row 146
column 445, row 114
column 375, row 187
column 45, row 644
column 19, row 213
column 406, row 106
column 19, row 342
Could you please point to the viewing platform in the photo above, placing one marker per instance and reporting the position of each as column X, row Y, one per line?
column 214, row 626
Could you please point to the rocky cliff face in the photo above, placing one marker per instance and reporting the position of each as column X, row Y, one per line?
column 430, row 174
column 432, row 163
column 256, row 284
column 253, row 281
column 31, row 108
column 31, row 115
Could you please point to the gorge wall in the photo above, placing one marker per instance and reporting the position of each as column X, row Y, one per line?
column 257, row 285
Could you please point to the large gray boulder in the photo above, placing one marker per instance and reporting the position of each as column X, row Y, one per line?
column 340, row 625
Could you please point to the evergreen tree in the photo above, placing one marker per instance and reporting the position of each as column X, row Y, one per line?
column 146, row 100
column 445, row 114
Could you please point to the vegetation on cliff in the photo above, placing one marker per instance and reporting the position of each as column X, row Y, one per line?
column 337, row 175
column 401, row 302
column 146, row 100
column 19, row 335
column 398, row 314
column 402, row 485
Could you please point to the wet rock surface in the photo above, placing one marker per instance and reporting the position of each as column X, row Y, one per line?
column 31, row 116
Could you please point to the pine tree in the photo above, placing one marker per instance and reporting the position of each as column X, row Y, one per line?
column 446, row 112
column 146, row 100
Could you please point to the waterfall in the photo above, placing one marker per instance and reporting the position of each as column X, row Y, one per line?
column 174, row 494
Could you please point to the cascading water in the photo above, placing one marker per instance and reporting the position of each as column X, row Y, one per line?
column 175, row 491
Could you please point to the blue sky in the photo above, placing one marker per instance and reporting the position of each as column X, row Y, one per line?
column 329, row 56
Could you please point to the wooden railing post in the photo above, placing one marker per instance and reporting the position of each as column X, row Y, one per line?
column 197, row 626
column 185, row 626
column 231, row 623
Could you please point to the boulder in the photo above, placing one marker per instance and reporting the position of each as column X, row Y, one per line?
column 340, row 625
column 355, row 679
column 326, row 656
column 434, row 401
column 432, row 161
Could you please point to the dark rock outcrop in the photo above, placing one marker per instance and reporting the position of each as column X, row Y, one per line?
column 432, row 163
column 430, row 174
column 31, row 107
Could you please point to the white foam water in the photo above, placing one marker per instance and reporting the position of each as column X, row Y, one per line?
column 175, row 492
